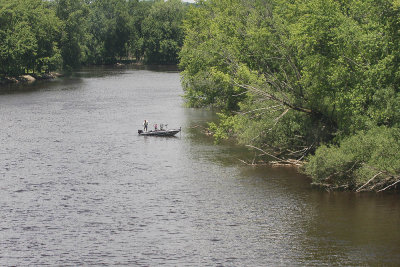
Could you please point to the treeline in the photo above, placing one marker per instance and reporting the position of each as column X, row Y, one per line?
column 41, row 36
column 305, row 81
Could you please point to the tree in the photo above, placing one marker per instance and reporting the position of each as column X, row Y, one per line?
column 41, row 35
column 138, row 11
column 163, row 36
column 109, row 30
column 73, row 14
column 290, row 76
column 29, row 32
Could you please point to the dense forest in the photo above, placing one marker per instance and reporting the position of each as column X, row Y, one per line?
column 41, row 36
column 309, row 82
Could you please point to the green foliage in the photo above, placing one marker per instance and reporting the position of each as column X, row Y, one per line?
column 207, row 54
column 41, row 35
column 357, row 159
column 108, row 30
column 28, row 37
column 224, row 129
column 138, row 11
column 292, row 75
column 73, row 14
column 162, row 32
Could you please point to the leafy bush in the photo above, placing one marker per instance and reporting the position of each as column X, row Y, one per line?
column 373, row 154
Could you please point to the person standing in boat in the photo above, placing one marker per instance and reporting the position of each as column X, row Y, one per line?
column 155, row 127
column 145, row 124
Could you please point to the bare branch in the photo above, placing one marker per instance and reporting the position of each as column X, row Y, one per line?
column 398, row 181
column 244, row 162
column 273, row 97
column 242, row 93
column 258, row 109
column 280, row 116
column 361, row 187
column 305, row 152
column 266, row 153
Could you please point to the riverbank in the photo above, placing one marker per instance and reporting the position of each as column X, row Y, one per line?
column 33, row 77
column 29, row 78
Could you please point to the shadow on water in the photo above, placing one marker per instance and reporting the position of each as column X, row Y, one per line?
column 228, row 153
column 360, row 228
column 334, row 228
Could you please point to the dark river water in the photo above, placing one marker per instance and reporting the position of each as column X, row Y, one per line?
column 80, row 187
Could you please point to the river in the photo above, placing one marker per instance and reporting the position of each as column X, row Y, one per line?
column 80, row 187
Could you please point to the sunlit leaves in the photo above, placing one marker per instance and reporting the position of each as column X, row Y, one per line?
column 300, row 73
column 29, row 30
column 163, row 36
column 358, row 159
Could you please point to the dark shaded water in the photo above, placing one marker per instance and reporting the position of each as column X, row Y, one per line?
column 80, row 187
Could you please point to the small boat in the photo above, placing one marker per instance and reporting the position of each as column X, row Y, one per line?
column 171, row 132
